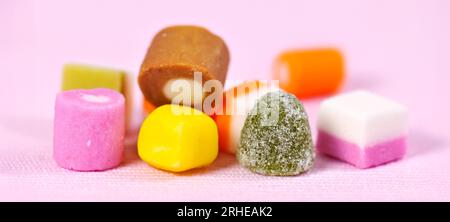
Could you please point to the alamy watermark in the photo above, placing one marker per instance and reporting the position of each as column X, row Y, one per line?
column 240, row 100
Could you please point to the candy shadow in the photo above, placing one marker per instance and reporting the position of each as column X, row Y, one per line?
column 222, row 162
column 326, row 163
column 130, row 151
column 420, row 143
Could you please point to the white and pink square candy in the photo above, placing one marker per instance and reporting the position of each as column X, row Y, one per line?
column 362, row 128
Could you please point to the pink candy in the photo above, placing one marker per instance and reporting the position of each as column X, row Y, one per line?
column 361, row 157
column 362, row 128
column 89, row 129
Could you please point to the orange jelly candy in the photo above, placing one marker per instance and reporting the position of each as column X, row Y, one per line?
column 308, row 73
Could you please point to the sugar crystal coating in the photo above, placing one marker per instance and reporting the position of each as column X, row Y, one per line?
column 89, row 129
column 276, row 138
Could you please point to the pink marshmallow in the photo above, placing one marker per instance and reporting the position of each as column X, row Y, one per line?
column 361, row 157
column 89, row 129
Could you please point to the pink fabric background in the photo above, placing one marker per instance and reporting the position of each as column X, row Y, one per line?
column 399, row 49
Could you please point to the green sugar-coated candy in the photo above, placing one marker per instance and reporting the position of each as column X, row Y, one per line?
column 276, row 137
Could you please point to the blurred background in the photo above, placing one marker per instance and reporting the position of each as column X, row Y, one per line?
column 406, row 41
column 396, row 48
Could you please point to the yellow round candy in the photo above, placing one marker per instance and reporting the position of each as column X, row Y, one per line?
column 178, row 138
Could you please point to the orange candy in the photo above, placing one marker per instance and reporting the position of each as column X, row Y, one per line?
column 231, row 120
column 148, row 107
column 308, row 73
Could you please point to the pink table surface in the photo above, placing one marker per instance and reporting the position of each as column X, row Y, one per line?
column 399, row 49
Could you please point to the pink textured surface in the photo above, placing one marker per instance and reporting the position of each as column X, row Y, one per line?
column 399, row 49
column 361, row 157
column 89, row 136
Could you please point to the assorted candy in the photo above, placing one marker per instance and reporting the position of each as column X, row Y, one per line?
column 264, row 125
column 89, row 129
column 362, row 128
column 178, row 138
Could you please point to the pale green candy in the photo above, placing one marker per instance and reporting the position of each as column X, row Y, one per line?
column 77, row 76
column 276, row 137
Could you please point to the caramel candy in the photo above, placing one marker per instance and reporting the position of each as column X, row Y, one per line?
column 175, row 54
